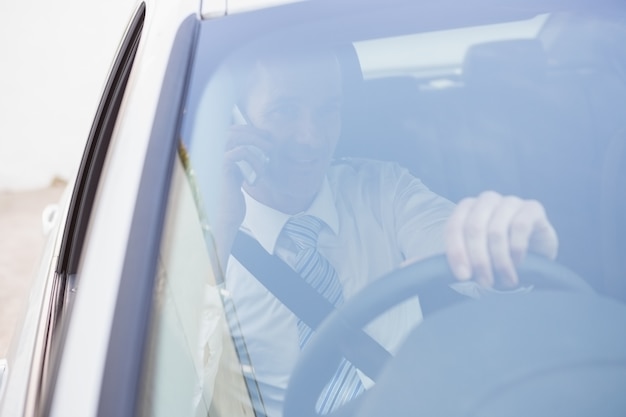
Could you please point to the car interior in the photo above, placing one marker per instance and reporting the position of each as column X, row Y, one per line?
column 539, row 118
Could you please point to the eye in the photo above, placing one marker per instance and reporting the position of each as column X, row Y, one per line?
column 284, row 112
column 330, row 110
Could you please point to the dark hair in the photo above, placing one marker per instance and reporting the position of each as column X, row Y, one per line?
column 244, row 63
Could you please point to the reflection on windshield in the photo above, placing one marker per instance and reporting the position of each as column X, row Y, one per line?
column 319, row 169
column 436, row 53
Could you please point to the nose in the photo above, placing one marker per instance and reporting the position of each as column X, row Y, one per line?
column 308, row 130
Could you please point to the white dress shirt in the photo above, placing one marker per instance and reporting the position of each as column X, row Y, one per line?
column 377, row 215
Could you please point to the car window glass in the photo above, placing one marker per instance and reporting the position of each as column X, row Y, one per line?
column 191, row 346
column 530, row 107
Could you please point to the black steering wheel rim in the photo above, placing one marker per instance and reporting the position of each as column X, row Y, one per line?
column 321, row 356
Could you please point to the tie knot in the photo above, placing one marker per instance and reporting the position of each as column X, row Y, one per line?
column 303, row 230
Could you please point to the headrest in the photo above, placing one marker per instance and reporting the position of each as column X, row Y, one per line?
column 351, row 74
column 507, row 61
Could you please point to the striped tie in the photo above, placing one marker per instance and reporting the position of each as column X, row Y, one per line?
column 319, row 273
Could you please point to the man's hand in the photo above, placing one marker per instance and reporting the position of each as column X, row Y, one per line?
column 488, row 235
column 232, row 207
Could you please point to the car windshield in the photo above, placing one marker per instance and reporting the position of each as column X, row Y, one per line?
column 520, row 102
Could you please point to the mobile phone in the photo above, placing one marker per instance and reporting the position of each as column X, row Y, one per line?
column 248, row 173
column 238, row 117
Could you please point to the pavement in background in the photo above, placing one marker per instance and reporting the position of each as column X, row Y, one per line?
column 21, row 245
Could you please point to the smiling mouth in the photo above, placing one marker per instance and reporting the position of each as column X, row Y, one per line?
column 302, row 166
column 304, row 160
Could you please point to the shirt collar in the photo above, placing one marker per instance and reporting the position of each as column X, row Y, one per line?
column 265, row 223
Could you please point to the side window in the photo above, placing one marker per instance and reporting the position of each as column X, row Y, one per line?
column 193, row 366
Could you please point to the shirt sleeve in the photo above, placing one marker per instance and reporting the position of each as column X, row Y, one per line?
column 420, row 216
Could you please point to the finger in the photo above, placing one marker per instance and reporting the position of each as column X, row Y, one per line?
column 476, row 237
column 544, row 239
column 239, row 135
column 456, row 253
column 531, row 229
column 502, row 263
column 258, row 160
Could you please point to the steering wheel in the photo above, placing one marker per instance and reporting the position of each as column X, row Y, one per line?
column 323, row 353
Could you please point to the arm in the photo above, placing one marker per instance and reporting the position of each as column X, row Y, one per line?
column 483, row 237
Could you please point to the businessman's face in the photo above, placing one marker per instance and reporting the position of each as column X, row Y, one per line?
column 297, row 102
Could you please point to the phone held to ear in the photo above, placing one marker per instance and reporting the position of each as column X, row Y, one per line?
column 248, row 173
column 238, row 117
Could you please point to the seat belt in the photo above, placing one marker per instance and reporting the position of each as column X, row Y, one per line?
column 305, row 302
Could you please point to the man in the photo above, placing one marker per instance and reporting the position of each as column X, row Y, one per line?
column 374, row 216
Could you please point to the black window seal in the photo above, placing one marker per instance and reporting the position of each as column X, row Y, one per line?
column 98, row 141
